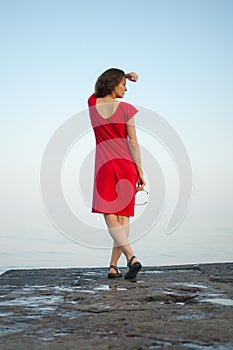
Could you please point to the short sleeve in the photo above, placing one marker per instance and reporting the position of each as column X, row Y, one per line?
column 130, row 111
column 92, row 100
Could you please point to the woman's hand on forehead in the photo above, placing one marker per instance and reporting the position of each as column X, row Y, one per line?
column 132, row 76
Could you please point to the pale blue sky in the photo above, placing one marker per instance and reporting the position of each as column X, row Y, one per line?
column 51, row 54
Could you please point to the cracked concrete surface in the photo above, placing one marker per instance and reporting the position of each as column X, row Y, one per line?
column 170, row 307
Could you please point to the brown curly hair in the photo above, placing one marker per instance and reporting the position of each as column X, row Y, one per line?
column 107, row 81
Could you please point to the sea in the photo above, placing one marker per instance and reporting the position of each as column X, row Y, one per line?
column 39, row 249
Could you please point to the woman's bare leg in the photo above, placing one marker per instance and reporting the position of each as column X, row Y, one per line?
column 118, row 227
column 116, row 250
column 116, row 254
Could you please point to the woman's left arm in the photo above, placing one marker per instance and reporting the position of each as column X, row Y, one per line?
column 135, row 151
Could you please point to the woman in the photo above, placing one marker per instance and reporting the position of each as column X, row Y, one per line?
column 118, row 170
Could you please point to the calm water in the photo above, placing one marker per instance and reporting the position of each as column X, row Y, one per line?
column 53, row 250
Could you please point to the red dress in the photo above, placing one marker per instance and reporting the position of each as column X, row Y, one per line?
column 116, row 175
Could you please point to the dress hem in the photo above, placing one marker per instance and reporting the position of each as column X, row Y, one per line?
column 118, row 213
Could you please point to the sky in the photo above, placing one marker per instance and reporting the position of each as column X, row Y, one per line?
column 51, row 55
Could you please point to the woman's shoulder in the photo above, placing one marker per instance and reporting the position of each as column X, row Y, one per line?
column 128, row 108
column 92, row 100
column 126, row 104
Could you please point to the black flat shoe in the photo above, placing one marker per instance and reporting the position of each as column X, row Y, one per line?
column 133, row 269
column 114, row 275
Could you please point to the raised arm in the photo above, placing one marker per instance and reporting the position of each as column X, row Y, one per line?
column 132, row 76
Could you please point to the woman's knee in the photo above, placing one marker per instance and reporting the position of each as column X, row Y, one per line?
column 111, row 219
column 123, row 220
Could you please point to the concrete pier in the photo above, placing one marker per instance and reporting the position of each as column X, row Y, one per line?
column 169, row 307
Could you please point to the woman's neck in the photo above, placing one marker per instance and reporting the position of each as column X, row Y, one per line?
column 107, row 98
